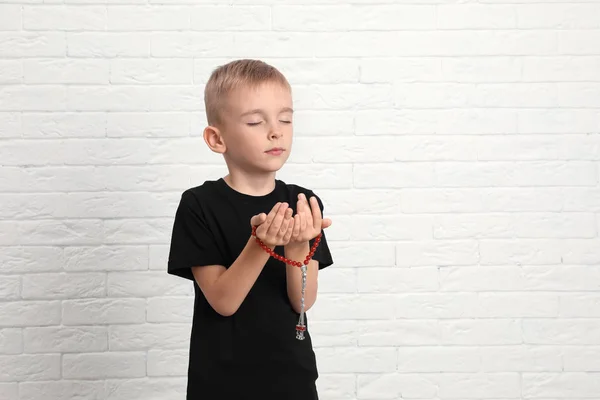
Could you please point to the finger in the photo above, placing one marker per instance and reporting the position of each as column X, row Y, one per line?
column 263, row 228
column 316, row 213
column 290, row 230
column 297, row 226
column 258, row 219
column 276, row 224
column 286, row 222
column 272, row 214
column 326, row 223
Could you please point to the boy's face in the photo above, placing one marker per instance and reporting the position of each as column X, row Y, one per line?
column 257, row 128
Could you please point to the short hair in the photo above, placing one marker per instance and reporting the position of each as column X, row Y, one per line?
column 235, row 74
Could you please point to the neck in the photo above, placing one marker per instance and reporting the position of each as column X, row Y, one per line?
column 253, row 185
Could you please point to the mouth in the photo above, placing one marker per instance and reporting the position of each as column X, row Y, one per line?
column 275, row 151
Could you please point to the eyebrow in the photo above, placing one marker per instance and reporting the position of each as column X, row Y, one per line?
column 259, row 111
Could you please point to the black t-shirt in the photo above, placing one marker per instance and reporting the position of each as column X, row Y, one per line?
column 256, row 347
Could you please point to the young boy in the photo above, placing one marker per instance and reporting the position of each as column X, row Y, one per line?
column 248, row 303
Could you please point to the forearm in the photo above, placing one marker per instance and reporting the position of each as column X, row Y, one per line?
column 298, row 252
column 233, row 285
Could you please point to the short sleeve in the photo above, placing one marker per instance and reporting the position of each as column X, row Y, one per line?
column 192, row 242
column 322, row 253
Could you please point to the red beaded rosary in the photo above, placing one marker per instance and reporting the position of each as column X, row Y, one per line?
column 301, row 326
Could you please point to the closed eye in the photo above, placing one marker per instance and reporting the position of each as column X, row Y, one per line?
column 286, row 122
column 253, row 123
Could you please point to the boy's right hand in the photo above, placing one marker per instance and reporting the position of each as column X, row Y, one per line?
column 274, row 229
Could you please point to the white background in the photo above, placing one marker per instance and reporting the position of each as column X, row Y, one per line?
column 455, row 145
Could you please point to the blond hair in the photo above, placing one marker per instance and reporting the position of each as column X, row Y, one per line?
column 235, row 74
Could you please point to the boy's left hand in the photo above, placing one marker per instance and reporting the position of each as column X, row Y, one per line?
column 308, row 221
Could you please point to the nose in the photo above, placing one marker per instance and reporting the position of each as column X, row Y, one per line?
column 274, row 134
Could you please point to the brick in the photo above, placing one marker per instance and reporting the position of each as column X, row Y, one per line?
column 28, row 367
column 62, row 339
column 166, row 389
column 55, row 17
column 129, row 284
column 564, row 331
column 151, row 71
column 521, row 173
column 144, row 124
column 130, row 231
column 21, row 313
column 399, row 333
column 62, row 390
column 437, row 253
column 396, row 384
column 494, row 69
column 10, row 288
column 353, row 17
column 397, row 280
column 20, row 260
column 561, row 385
column 471, row 121
column 226, row 18
column 348, row 150
column 106, row 258
column 51, row 232
column 149, row 336
column 438, row 359
column 337, row 386
column 343, row 360
column 399, row 175
column 10, row 17
column 561, row 68
column 362, row 254
column 475, row 332
column 104, row 365
column 356, row 201
column 11, row 341
column 575, row 305
column 384, row 228
column 520, row 358
column 405, row 69
column 334, row 333
column 136, row 18
column 64, row 125
column 103, row 311
column 559, row 120
column 107, row 44
column 558, row 16
column 10, row 125
column 476, row 16
column 32, row 98
column 344, row 306
column 32, row 44
column 59, row 71
column 9, row 390
column 582, row 359
column 342, row 96
column 11, row 72
column 521, row 225
column 64, row 286
column 578, row 42
column 474, row 385
column 171, row 309
column 168, row 363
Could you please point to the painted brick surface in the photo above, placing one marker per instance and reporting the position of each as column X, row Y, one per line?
column 455, row 144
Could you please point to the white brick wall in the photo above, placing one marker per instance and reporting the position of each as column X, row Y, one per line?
column 455, row 143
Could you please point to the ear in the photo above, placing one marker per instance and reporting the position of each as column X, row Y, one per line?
column 214, row 139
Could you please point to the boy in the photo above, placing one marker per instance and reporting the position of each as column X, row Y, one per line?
column 248, row 303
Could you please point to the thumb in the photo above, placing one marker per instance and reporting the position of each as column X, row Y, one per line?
column 258, row 219
column 326, row 223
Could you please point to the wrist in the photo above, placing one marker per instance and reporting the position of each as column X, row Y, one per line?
column 297, row 245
